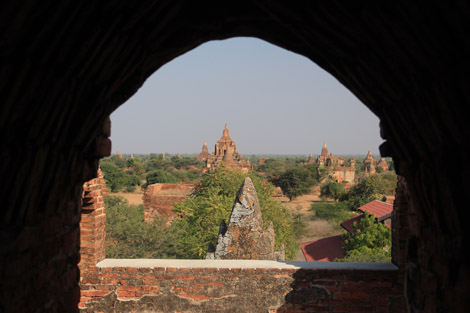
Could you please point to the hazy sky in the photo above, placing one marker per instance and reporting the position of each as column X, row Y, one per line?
column 274, row 101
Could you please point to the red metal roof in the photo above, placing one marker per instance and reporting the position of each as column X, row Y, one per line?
column 379, row 208
column 325, row 249
column 348, row 224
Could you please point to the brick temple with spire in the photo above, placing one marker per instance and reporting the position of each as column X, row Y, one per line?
column 335, row 165
column 328, row 160
column 225, row 150
column 338, row 169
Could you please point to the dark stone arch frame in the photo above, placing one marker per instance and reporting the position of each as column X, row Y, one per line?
column 68, row 66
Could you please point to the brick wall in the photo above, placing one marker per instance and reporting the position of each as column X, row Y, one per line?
column 159, row 199
column 93, row 223
column 239, row 286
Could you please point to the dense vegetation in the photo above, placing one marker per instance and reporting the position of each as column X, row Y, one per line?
column 125, row 174
column 375, row 187
column 332, row 190
column 297, row 181
column 370, row 242
column 273, row 167
column 212, row 201
column 128, row 236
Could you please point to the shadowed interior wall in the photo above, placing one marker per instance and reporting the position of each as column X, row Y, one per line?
column 67, row 66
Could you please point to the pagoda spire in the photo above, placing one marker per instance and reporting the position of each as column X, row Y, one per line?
column 324, row 150
column 226, row 134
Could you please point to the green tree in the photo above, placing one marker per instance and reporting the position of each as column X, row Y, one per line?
column 119, row 162
column 369, row 242
column 296, row 182
column 300, row 226
column 374, row 187
column 116, row 178
column 161, row 176
column 332, row 190
column 185, row 162
column 272, row 167
column 128, row 236
column 212, row 201
column 136, row 167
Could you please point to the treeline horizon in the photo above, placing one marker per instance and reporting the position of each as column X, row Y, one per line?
column 249, row 155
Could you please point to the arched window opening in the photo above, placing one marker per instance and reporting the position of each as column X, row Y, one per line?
column 309, row 146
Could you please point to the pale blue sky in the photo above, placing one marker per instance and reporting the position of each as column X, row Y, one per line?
column 274, row 101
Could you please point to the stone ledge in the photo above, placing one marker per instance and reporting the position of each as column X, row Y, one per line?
column 251, row 264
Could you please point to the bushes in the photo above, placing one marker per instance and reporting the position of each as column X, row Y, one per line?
column 299, row 225
column 212, row 201
column 370, row 242
column 372, row 188
column 331, row 212
column 116, row 179
column 160, row 176
column 297, row 181
column 128, row 236
column 332, row 190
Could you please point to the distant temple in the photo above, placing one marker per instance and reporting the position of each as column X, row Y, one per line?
column 371, row 164
column 369, row 159
column 335, row 165
column 225, row 151
column 383, row 164
column 328, row 160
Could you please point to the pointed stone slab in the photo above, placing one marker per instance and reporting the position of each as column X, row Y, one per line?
column 246, row 211
column 244, row 237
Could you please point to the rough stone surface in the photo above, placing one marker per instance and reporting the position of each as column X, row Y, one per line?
column 245, row 236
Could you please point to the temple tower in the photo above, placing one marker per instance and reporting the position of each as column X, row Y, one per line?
column 369, row 158
column 383, row 164
column 324, row 151
column 204, row 153
column 225, row 150
column 225, row 145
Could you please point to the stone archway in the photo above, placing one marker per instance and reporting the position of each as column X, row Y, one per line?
column 67, row 67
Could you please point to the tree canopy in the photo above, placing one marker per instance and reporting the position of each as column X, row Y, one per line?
column 374, row 187
column 297, row 181
column 117, row 179
column 332, row 190
column 128, row 236
column 369, row 242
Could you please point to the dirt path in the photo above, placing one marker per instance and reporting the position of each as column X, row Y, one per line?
column 314, row 230
column 133, row 197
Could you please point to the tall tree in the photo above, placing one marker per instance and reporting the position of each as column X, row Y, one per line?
column 332, row 190
column 296, row 182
